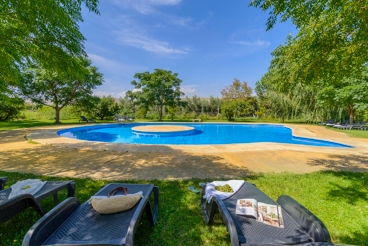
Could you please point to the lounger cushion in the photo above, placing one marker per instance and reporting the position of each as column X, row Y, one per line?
column 115, row 204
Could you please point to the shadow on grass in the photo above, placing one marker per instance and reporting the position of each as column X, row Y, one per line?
column 181, row 221
column 353, row 191
column 357, row 163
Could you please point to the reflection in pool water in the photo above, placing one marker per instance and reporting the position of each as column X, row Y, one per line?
column 203, row 134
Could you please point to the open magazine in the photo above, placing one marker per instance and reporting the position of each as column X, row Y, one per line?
column 262, row 212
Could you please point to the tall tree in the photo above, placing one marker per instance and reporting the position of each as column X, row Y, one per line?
column 237, row 99
column 106, row 107
column 332, row 41
column 42, row 32
column 350, row 94
column 55, row 90
column 236, row 90
column 158, row 89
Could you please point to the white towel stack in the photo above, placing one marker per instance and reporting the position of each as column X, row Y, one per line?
column 211, row 191
column 28, row 186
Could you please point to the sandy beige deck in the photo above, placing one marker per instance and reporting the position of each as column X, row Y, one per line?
column 59, row 156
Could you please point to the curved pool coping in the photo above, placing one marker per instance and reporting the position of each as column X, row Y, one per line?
column 49, row 136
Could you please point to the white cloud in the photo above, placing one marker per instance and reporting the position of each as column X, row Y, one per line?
column 112, row 65
column 188, row 22
column 145, row 6
column 250, row 38
column 259, row 43
column 148, row 7
column 113, row 94
column 141, row 41
column 188, row 88
column 164, row 2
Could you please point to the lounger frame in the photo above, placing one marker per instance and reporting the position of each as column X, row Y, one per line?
column 15, row 205
column 63, row 224
column 296, row 217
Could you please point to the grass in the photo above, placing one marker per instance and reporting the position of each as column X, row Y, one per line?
column 339, row 199
column 351, row 133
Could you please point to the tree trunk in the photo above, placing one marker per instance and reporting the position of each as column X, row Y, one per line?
column 160, row 112
column 351, row 111
column 57, row 115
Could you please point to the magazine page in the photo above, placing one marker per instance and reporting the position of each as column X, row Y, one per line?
column 247, row 207
column 270, row 214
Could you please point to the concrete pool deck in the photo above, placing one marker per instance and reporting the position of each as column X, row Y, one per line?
column 60, row 156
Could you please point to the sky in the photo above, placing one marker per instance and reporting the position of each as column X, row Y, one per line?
column 208, row 43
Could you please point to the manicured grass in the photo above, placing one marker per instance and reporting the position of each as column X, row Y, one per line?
column 339, row 199
column 352, row 133
column 10, row 125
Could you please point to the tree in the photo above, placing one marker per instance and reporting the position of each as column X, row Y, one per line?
column 127, row 107
column 106, row 107
column 42, row 32
column 236, row 90
column 172, row 111
column 240, row 96
column 158, row 89
column 85, row 106
column 332, row 41
column 215, row 105
column 228, row 109
column 45, row 87
column 10, row 106
column 350, row 93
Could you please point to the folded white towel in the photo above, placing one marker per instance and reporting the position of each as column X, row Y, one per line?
column 28, row 186
column 211, row 191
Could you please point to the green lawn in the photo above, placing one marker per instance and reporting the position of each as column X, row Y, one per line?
column 353, row 133
column 339, row 199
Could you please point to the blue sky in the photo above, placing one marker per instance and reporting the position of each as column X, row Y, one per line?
column 207, row 42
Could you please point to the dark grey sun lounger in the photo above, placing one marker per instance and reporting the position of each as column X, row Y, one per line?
column 15, row 205
column 2, row 182
column 71, row 223
column 301, row 227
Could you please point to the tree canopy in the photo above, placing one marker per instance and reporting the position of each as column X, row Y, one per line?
column 322, row 69
column 237, row 100
column 236, row 90
column 41, row 32
column 56, row 90
column 332, row 41
column 157, row 89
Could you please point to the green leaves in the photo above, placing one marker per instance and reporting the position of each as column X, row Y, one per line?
column 237, row 100
column 332, row 41
column 158, row 89
column 328, row 53
column 57, row 90
column 42, row 32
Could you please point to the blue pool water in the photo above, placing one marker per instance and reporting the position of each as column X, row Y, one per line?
column 203, row 134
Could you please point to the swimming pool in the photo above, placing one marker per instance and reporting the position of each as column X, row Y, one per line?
column 203, row 133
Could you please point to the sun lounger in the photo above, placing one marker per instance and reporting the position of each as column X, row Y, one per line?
column 118, row 118
column 15, row 205
column 300, row 225
column 127, row 118
column 71, row 223
column 360, row 126
column 330, row 121
column 84, row 119
column 2, row 182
